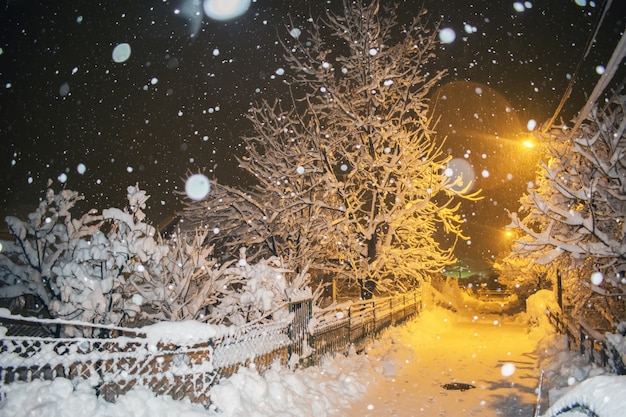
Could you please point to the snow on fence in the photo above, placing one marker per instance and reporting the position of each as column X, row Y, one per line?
column 184, row 359
column 590, row 342
column 179, row 365
column 340, row 328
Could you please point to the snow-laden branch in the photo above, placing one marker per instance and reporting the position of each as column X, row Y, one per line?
column 575, row 212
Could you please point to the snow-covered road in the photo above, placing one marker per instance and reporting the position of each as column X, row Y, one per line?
column 494, row 353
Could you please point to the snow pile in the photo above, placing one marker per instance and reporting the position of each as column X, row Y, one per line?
column 188, row 332
column 537, row 307
column 61, row 397
column 316, row 391
column 448, row 293
column 564, row 368
column 567, row 372
column 603, row 396
column 311, row 392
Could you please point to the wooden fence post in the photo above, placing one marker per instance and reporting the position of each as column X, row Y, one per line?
column 582, row 340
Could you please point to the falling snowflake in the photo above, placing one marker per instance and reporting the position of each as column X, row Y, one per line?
column 225, row 9
column 121, row 53
column 197, row 187
column 447, row 35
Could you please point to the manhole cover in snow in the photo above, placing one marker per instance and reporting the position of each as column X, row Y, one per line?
column 458, row 386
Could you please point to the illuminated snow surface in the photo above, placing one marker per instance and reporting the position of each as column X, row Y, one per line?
column 401, row 374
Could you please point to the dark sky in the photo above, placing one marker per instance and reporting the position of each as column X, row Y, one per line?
column 176, row 104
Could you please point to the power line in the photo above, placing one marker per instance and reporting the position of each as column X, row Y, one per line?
column 588, row 46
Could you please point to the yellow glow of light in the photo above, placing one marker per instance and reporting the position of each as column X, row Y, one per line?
column 528, row 144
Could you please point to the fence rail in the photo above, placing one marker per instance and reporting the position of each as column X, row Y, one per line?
column 492, row 295
column 357, row 323
column 589, row 342
column 184, row 369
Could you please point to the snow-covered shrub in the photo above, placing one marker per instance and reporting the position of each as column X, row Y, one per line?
column 113, row 268
column 43, row 241
column 189, row 282
column 263, row 292
column 88, row 268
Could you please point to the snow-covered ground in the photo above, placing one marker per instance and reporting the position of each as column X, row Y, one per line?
column 401, row 374
column 493, row 354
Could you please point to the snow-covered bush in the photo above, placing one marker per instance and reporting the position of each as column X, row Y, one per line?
column 43, row 241
column 85, row 269
column 264, row 290
column 114, row 268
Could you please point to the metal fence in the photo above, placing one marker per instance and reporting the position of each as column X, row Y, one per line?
column 115, row 365
column 179, row 369
column 353, row 326
column 588, row 341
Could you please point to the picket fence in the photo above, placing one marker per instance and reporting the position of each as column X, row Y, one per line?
column 180, row 369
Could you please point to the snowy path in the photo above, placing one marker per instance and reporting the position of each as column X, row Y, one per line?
column 442, row 347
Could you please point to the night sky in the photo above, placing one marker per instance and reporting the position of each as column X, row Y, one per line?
column 176, row 104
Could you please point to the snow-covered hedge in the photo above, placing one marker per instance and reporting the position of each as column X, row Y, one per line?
column 114, row 268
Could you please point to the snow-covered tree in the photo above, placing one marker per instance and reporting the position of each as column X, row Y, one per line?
column 347, row 166
column 575, row 210
column 235, row 219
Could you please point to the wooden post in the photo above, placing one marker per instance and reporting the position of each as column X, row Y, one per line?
column 559, row 289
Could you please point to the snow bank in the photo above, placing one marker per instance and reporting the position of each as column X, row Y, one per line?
column 311, row 392
column 450, row 295
column 603, row 395
column 563, row 368
column 61, row 398
column 537, row 306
